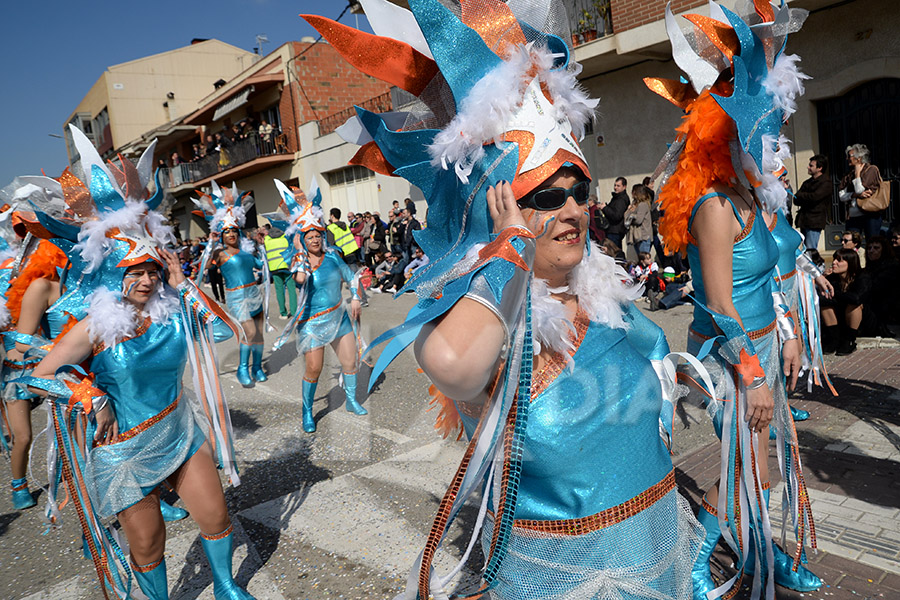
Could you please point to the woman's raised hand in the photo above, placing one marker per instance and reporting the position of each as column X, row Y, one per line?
column 176, row 275
column 503, row 208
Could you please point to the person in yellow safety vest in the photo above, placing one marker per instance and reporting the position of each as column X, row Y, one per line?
column 276, row 243
column 340, row 236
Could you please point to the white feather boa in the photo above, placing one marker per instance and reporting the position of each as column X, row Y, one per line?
column 113, row 320
column 488, row 107
column 603, row 289
column 94, row 246
column 771, row 191
column 785, row 83
column 248, row 245
column 231, row 216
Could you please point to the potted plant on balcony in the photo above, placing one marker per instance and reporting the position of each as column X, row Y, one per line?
column 602, row 8
column 587, row 26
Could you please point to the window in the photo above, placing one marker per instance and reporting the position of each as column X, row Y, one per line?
column 349, row 175
column 272, row 116
column 99, row 125
column 83, row 122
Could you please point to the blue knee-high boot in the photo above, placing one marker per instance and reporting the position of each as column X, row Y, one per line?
column 700, row 576
column 171, row 513
column 309, row 392
column 801, row 580
column 21, row 496
column 152, row 579
column 243, row 371
column 350, row 391
column 219, row 551
column 258, row 373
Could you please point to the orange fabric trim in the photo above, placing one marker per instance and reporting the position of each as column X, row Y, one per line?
column 319, row 314
column 495, row 23
column 143, row 426
column 141, row 330
column 240, row 287
column 753, row 335
column 149, row 567
column 721, row 35
column 606, row 518
column 749, row 367
column 218, row 536
column 788, row 276
column 557, row 362
column 502, row 248
column 748, row 227
column 391, row 61
column 709, row 507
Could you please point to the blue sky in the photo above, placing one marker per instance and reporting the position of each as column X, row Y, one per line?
column 53, row 52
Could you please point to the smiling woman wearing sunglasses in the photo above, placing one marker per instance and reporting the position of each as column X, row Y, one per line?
column 529, row 332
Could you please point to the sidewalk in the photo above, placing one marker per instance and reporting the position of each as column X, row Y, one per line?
column 850, row 448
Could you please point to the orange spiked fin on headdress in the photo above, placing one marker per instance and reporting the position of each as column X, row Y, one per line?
column 495, row 23
column 370, row 156
column 389, row 60
column 677, row 92
column 721, row 35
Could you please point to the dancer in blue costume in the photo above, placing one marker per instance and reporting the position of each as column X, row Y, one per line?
column 528, row 332
column 239, row 258
column 322, row 318
column 127, row 425
column 735, row 100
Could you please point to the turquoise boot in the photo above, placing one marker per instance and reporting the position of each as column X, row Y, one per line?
column 350, row 391
column 309, row 392
column 171, row 513
column 799, row 414
column 219, row 551
column 152, row 579
column 801, row 580
column 257, row 370
column 21, row 496
column 700, row 576
column 243, row 371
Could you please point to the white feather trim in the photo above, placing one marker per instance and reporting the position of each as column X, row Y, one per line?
column 94, row 246
column 603, row 289
column 162, row 305
column 112, row 320
column 785, row 83
column 248, row 245
column 489, row 106
column 230, row 216
column 4, row 314
column 771, row 191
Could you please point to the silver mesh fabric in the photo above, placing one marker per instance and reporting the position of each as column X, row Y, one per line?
column 648, row 556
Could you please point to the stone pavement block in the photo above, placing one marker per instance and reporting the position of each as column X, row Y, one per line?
column 870, row 543
column 892, row 525
column 845, row 566
column 887, row 564
column 891, row 582
column 840, row 512
column 870, row 508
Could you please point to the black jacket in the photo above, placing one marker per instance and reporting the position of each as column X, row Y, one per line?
column 615, row 213
column 812, row 200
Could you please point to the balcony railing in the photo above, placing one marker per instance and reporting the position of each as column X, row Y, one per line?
column 589, row 20
column 378, row 104
column 230, row 156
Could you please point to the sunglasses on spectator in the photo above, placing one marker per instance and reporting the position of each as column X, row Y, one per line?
column 556, row 197
column 846, row 240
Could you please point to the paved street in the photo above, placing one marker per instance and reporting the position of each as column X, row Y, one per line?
column 342, row 513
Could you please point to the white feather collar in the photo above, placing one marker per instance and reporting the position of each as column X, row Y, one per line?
column 113, row 320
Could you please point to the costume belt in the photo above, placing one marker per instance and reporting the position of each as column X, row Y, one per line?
column 753, row 335
column 605, row 518
column 144, row 425
column 240, row 287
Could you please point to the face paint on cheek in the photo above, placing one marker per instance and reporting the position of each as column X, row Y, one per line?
column 129, row 288
column 541, row 224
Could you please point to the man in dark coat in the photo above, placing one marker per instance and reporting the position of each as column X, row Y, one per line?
column 615, row 211
column 812, row 200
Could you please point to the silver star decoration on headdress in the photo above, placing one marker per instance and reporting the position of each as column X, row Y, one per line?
column 537, row 116
column 142, row 247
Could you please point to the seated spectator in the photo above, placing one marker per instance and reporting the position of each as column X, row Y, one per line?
column 851, row 240
column 895, row 241
column 644, row 267
column 844, row 315
column 419, row 260
column 391, row 278
column 883, row 271
column 610, row 248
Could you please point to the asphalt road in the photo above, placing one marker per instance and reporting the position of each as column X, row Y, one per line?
column 341, row 513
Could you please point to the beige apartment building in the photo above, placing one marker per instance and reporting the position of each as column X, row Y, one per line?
column 134, row 97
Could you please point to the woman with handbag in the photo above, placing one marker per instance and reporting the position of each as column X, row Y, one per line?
column 864, row 193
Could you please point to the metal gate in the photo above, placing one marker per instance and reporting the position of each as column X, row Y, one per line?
column 868, row 114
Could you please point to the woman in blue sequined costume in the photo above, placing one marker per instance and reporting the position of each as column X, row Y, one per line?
column 322, row 318
column 238, row 259
column 720, row 182
column 127, row 424
column 528, row 332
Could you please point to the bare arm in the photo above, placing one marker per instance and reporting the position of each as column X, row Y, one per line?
column 715, row 229
column 460, row 351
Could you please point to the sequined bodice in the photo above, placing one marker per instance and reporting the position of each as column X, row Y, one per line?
column 592, row 440
column 142, row 375
column 788, row 240
column 754, row 256
column 324, row 284
column 238, row 269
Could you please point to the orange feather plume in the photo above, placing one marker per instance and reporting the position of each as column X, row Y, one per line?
column 707, row 131
column 448, row 420
column 42, row 264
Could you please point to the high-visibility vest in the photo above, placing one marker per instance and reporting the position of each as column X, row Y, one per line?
column 343, row 239
column 274, row 249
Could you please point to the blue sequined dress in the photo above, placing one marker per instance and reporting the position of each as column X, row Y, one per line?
column 158, row 429
column 242, row 294
column 611, row 523
column 323, row 317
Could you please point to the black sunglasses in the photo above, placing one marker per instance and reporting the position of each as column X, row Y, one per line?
column 556, row 197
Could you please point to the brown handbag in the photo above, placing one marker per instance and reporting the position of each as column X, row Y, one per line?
column 880, row 200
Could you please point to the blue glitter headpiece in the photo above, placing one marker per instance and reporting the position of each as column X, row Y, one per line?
column 224, row 208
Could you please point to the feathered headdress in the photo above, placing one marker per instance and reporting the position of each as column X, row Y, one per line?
column 740, row 88
column 297, row 213
column 108, row 217
column 224, row 208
